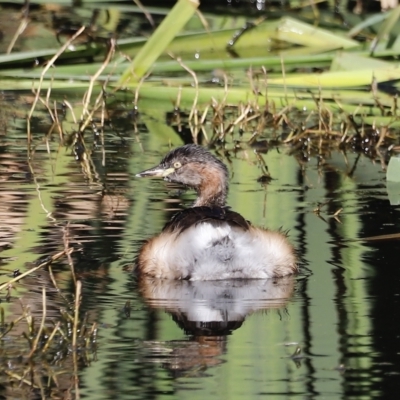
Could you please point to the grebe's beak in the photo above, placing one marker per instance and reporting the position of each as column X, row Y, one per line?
column 157, row 171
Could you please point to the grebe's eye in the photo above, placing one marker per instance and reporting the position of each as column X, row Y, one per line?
column 177, row 164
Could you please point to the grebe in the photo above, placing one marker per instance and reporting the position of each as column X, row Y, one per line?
column 209, row 241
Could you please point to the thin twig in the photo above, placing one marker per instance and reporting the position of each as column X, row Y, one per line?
column 56, row 286
column 94, row 79
column 76, row 314
column 20, row 378
column 66, row 247
column 21, row 28
column 74, row 336
column 196, row 85
column 48, row 213
column 37, row 338
column 53, row 258
column 48, row 342
column 45, row 69
column 145, row 12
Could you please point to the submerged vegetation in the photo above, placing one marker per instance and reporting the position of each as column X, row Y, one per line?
column 304, row 77
column 40, row 349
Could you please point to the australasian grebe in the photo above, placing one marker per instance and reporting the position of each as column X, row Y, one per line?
column 209, row 241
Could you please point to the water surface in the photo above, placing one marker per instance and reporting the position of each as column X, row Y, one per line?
column 331, row 332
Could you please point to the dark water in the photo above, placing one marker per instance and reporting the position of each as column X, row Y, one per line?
column 332, row 332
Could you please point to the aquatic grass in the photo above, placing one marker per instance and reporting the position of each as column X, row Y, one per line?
column 164, row 34
column 45, row 348
column 285, row 29
column 284, row 82
column 386, row 28
column 84, row 72
column 45, row 69
column 42, row 264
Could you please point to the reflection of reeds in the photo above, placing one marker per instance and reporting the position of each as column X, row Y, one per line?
column 43, row 264
column 65, row 340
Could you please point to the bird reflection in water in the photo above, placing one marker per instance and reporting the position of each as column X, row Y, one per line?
column 209, row 311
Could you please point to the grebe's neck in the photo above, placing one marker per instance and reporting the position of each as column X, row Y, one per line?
column 213, row 186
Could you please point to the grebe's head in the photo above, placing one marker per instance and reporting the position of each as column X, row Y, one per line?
column 193, row 166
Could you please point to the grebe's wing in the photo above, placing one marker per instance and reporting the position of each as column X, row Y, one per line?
column 192, row 216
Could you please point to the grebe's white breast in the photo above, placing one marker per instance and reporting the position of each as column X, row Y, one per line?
column 217, row 249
